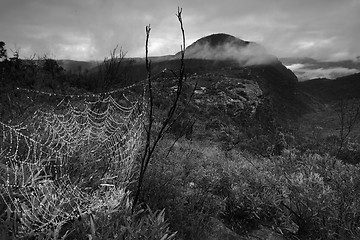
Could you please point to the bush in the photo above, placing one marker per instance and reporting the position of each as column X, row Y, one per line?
column 320, row 195
column 186, row 183
column 304, row 195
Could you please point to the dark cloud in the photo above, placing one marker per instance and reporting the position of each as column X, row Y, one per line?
column 78, row 29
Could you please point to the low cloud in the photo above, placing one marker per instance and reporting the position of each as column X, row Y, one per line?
column 307, row 71
column 251, row 54
column 296, row 66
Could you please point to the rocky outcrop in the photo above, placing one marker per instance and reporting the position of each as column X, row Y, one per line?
column 227, row 95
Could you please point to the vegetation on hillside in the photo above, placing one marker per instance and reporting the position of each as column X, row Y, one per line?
column 216, row 154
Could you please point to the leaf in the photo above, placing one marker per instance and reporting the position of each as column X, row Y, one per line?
column 92, row 224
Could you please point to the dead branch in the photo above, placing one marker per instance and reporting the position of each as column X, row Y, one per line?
column 151, row 142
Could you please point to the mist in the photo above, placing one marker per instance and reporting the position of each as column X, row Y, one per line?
column 308, row 72
column 247, row 55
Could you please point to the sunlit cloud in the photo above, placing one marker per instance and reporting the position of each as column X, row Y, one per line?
column 305, row 45
column 81, row 51
column 296, row 66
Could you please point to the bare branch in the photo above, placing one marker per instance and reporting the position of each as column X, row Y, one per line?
column 110, row 67
column 149, row 145
column 348, row 111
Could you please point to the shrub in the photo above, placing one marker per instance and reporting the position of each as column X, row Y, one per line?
column 300, row 195
column 186, row 182
column 320, row 195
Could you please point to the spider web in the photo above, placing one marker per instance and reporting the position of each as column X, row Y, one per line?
column 51, row 167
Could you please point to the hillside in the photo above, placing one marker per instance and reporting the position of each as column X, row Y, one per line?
column 229, row 55
column 327, row 90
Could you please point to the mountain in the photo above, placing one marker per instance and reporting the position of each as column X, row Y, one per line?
column 216, row 51
column 220, row 59
column 224, row 47
column 228, row 52
column 216, row 58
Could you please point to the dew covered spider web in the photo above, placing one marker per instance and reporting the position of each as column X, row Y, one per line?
column 56, row 160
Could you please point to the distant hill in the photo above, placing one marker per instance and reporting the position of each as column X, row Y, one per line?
column 327, row 90
column 76, row 66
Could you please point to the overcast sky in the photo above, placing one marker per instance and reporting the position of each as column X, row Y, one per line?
column 89, row 29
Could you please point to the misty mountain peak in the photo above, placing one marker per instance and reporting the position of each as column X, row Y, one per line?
column 218, row 39
column 223, row 46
